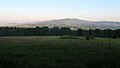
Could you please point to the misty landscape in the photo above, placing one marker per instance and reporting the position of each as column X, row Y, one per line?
column 59, row 34
column 72, row 23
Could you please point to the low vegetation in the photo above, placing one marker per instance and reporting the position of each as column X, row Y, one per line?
column 59, row 52
column 69, row 37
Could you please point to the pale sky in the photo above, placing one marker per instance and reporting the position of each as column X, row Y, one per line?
column 39, row 10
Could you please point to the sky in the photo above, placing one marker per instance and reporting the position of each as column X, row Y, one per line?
column 39, row 10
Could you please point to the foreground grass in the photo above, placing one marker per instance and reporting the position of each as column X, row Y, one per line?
column 54, row 52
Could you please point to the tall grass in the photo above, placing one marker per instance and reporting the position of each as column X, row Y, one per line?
column 56, row 52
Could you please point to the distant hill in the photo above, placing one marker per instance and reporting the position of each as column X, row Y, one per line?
column 73, row 24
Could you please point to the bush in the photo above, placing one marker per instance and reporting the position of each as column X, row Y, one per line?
column 88, row 37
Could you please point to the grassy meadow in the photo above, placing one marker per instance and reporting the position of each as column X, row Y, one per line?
column 59, row 52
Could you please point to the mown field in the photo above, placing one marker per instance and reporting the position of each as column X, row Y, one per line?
column 56, row 52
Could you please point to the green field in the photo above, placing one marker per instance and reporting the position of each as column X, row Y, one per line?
column 56, row 52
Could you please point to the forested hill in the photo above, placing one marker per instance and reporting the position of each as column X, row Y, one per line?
column 74, row 24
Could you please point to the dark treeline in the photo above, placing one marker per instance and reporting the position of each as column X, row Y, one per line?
column 56, row 31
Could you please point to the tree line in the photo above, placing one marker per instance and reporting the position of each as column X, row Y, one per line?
column 56, row 31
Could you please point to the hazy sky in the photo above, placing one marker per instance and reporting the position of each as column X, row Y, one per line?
column 34, row 10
